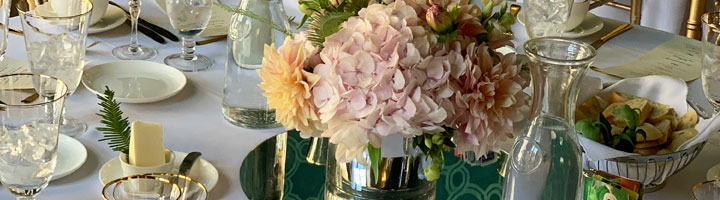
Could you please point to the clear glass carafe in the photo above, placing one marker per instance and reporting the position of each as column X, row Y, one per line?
column 545, row 162
column 243, row 103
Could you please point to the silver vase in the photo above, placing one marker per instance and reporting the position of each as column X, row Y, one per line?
column 400, row 176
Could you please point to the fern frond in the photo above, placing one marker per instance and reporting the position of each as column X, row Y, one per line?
column 324, row 25
column 254, row 16
column 117, row 128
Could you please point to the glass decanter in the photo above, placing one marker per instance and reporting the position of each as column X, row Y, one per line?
column 243, row 103
column 546, row 162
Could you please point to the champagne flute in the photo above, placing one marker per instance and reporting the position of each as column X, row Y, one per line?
column 55, row 32
column 134, row 51
column 189, row 18
column 711, row 64
column 29, row 132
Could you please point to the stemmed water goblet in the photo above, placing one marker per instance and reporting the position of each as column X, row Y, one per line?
column 711, row 65
column 29, row 131
column 189, row 18
column 134, row 51
column 55, row 32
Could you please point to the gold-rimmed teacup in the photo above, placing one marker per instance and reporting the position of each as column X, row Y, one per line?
column 707, row 190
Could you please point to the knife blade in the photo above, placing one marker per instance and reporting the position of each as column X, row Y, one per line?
column 619, row 30
column 155, row 28
column 187, row 163
column 147, row 32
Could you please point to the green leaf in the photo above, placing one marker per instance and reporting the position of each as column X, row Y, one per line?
column 504, row 7
column 324, row 25
column 487, row 10
column 375, row 154
column 627, row 114
column 590, row 129
column 302, row 22
column 454, row 13
column 117, row 128
column 354, row 6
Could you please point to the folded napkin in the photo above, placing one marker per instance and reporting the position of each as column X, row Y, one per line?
column 662, row 89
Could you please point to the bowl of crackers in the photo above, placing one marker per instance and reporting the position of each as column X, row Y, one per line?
column 640, row 129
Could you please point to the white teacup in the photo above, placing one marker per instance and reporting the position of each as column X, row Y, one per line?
column 129, row 170
column 99, row 8
column 577, row 14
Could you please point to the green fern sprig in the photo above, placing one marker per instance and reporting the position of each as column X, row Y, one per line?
column 254, row 16
column 117, row 128
column 324, row 25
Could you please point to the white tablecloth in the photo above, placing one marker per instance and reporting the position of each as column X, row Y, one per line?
column 193, row 119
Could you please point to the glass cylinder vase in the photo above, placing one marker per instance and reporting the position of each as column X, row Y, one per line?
column 243, row 103
column 546, row 162
column 400, row 174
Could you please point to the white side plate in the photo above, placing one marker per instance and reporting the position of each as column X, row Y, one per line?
column 113, row 18
column 202, row 170
column 71, row 155
column 135, row 81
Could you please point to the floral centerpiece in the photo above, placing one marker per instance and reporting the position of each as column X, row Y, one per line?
column 423, row 69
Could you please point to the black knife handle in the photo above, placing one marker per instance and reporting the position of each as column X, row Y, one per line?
column 152, row 35
column 149, row 25
column 159, row 30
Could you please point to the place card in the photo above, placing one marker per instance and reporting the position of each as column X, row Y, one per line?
column 219, row 22
column 679, row 57
column 11, row 66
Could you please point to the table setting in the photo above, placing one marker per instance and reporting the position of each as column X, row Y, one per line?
column 201, row 99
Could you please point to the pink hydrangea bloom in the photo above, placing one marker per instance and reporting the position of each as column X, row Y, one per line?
column 487, row 98
column 377, row 79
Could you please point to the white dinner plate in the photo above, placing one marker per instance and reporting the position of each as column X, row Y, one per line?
column 113, row 18
column 591, row 24
column 135, row 81
column 71, row 155
column 714, row 172
column 202, row 170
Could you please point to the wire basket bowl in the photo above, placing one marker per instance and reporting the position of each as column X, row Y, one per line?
column 652, row 171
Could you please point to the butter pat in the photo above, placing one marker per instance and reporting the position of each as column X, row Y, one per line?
column 146, row 144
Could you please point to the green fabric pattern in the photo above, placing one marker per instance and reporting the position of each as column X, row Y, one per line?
column 457, row 181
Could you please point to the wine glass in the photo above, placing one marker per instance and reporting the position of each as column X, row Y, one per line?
column 134, row 51
column 711, row 64
column 55, row 32
column 189, row 18
column 546, row 17
column 29, row 131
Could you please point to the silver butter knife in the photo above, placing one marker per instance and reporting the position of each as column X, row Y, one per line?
column 187, row 163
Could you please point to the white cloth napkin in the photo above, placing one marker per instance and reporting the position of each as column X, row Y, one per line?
column 662, row 89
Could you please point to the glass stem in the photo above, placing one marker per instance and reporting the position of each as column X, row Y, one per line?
column 134, row 16
column 63, row 121
column 188, row 50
